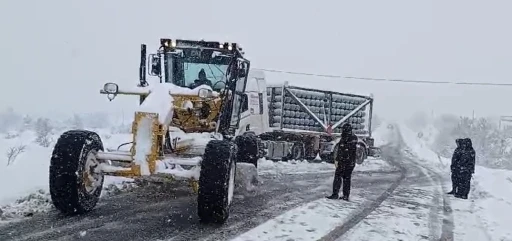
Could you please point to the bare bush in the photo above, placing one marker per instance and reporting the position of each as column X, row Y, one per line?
column 13, row 152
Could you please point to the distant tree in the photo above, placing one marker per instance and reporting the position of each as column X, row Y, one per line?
column 43, row 130
column 418, row 120
column 77, row 122
column 9, row 120
column 27, row 121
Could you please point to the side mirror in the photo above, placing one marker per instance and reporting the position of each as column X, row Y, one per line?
column 111, row 89
column 156, row 65
column 242, row 73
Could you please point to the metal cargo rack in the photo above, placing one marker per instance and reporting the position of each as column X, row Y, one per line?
column 318, row 111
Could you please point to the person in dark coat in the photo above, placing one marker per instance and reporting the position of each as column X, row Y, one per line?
column 201, row 80
column 346, row 158
column 465, row 169
column 455, row 160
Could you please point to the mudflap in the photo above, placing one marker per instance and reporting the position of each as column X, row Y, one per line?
column 246, row 179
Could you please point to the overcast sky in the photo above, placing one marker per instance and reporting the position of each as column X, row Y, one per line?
column 56, row 54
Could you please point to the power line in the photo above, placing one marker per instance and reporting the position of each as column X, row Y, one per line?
column 384, row 79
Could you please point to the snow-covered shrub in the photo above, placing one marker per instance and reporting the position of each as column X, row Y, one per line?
column 43, row 130
column 492, row 145
column 11, row 135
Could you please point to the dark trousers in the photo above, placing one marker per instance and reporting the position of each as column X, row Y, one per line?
column 463, row 183
column 343, row 175
column 454, row 182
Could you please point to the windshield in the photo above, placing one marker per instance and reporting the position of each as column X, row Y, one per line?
column 190, row 69
column 196, row 74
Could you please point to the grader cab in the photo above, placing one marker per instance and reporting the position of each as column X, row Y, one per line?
column 200, row 89
column 187, row 66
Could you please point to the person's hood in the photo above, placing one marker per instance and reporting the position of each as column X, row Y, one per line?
column 346, row 130
column 469, row 143
column 458, row 142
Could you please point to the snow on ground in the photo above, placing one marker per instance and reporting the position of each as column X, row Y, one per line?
column 301, row 167
column 486, row 214
column 310, row 221
column 24, row 182
column 420, row 147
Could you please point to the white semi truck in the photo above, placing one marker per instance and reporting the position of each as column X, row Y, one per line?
column 302, row 123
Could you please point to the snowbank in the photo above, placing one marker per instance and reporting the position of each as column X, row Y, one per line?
column 24, row 182
column 486, row 214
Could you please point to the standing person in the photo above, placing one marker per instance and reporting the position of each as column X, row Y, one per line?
column 454, row 166
column 346, row 158
column 466, row 168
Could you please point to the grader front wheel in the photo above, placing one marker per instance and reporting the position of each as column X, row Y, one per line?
column 75, row 183
column 216, row 181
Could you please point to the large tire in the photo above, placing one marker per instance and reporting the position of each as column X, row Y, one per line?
column 74, row 186
column 297, row 152
column 360, row 154
column 330, row 157
column 248, row 148
column 216, row 182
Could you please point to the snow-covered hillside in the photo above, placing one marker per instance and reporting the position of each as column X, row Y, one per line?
column 486, row 215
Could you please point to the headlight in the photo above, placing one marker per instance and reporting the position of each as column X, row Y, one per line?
column 205, row 93
column 188, row 104
column 111, row 88
column 168, row 43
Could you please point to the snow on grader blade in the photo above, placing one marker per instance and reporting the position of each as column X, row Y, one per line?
column 178, row 106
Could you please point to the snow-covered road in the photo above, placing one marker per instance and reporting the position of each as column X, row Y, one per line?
column 169, row 213
column 403, row 201
column 413, row 207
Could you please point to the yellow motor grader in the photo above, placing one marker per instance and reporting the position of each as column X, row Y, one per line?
column 201, row 89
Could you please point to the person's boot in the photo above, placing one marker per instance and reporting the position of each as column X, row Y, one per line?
column 451, row 192
column 333, row 196
column 344, row 198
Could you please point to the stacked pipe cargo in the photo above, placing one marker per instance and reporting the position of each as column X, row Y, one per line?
column 328, row 106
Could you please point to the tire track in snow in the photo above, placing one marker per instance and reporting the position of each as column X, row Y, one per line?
column 447, row 222
column 242, row 222
column 367, row 210
column 419, row 196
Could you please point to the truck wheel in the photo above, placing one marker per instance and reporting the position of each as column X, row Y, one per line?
column 297, row 152
column 330, row 157
column 75, row 183
column 311, row 157
column 216, row 182
column 248, row 148
column 360, row 155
